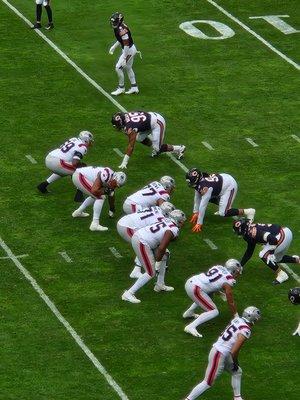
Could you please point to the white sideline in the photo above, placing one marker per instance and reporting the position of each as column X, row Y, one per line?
column 64, row 322
column 296, row 138
column 118, row 151
column 210, row 244
column 207, row 145
column 260, row 38
column 65, row 256
column 115, row 252
column 31, row 159
column 251, row 141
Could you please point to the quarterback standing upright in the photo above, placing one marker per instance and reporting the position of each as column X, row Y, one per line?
column 125, row 62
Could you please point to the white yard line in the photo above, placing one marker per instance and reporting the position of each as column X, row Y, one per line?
column 65, row 256
column 210, row 244
column 260, row 38
column 251, row 141
column 80, row 71
column 31, row 159
column 118, row 151
column 296, row 138
column 115, row 252
column 64, row 322
column 291, row 272
column 20, row 256
column 207, row 145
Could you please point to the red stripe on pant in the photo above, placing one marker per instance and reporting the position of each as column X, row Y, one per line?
column 130, row 232
column 85, row 183
column 67, row 166
column 229, row 202
column 214, row 368
column 133, row 208
column 161, row 133
column 146, row 260
column 202, row 300
column 282, row 237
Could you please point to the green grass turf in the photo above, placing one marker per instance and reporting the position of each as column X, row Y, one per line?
column 218, row 91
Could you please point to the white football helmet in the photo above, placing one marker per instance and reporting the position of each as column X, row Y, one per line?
column 177, row 216
column 120, row 177
column 167, row 181
column 166, row 207
column 86, row 136
column 233, row 266
column 251, row 314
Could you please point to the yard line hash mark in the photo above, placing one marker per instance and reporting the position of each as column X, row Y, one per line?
column 115, row 252
column 20, row 256
column 65, row 256
column 118, row 151
column 64, row 322
column 291, row 272
column 207, row 145
column 210, row 244
column 260, row 38
column 80, row 71
column 31, row 159
column 251, row 141
column 296, row 138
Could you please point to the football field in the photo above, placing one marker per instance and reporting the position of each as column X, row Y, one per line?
column 228, row 87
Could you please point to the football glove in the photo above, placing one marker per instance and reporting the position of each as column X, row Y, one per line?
column 197, row 228
column 194, row 218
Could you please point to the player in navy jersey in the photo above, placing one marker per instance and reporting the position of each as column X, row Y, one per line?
column 275, row 240
column 125, row 62
column 137, row 126
column 220, row 189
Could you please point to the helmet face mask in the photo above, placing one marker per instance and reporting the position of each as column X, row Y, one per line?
column 86, row 136
column 193, row 177
column 178, row 217
column 234, row 267
column 120, row 178
column 166, row 208
column 239, row 227
column 116, row 19
column 167, row 182
column 118, row 120
column 251, row 314
column 294, row 295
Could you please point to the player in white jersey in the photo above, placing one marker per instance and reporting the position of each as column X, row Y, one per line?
column 224, row 354
column 130, row 223
column 200, row 288
column 153, row 194
column 64, row 160
column 97, row 182
column 150, row 244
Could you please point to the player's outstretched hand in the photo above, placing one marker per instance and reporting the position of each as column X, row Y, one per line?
column 194, row 218
column 197, row 228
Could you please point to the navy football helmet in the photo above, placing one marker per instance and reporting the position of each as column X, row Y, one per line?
column 116, row 19
column 240, row 226
column 193, row 177
column 118, row 120
column 294, row 295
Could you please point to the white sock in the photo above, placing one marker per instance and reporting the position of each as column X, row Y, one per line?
column 120, row 74
column 136, row 270
column 53, row 178
column 206, row 316
column 131, row 77
column 97, row 209
column 236, row 379
column 198, row 390
column 161, row 274
column 137, row 262
column 141, row 281
column 87, row 202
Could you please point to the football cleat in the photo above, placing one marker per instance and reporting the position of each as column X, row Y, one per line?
column 280, row 278
column 154, row 153
column 133, row 90
column 163, row 288
column 37, row 25
column 180, row 153
column 96, row 227
column 42, row 187
column 190, row 314
column 49, row 26
column 249, row 213
column 79, row 214
column 127, row 296
column 118, row 91
column 192, row 331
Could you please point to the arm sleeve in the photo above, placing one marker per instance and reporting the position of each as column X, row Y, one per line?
column 197, row 199
column 203, row 204
column 248, row 253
